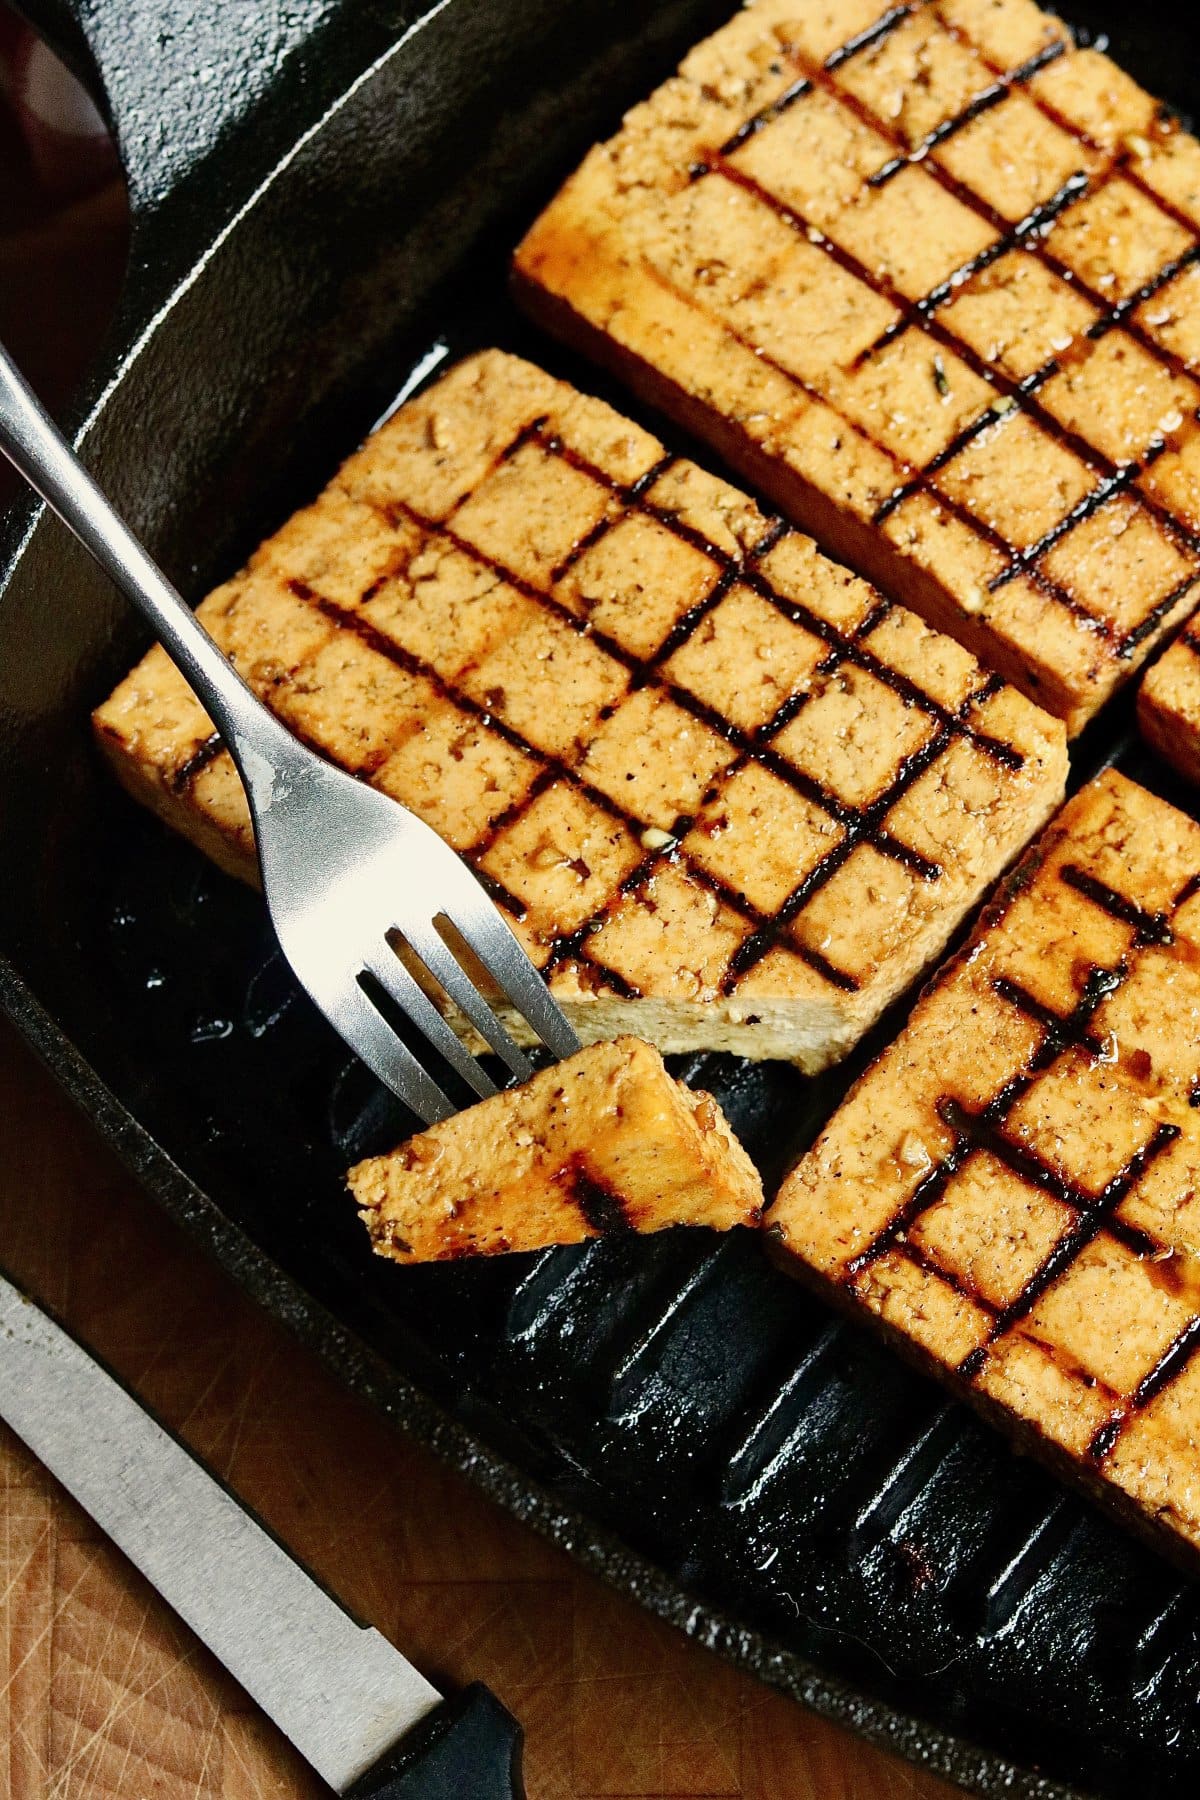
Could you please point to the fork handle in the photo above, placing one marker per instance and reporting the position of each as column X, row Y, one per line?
column 33, row 443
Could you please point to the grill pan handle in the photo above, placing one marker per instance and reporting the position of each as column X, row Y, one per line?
column 172, row 77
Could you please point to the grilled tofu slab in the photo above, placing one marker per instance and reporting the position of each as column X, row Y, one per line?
column 928, row 276
column 727, row 796
column 1169, row 705
column 605, row 1142
column 1011, row 1191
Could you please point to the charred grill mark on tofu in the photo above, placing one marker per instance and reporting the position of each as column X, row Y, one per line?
column 183, row 777
column 1169, row 1365
column 682, row 630
column 843, row 647
column 1060, row 1032
column 765, row 927
column 1113, row 163
column 874, row 34
column 756, row 121
column 1168, row 1368
column 599, row 1202
column 1119, row 314
column 1089, row 1206
column 1103, row 161
column 1105, row 489
column 1148, row 928
column 983, row 1130
column 991, row 415
column 630, row 495
column 1134, row 638
column 1029, row 231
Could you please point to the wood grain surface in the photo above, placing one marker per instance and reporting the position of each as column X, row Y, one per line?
column 105, row 1696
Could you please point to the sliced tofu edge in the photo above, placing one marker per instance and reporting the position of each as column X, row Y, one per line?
column 1168, row 708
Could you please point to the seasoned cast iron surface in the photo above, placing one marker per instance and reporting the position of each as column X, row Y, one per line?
column 775, row 1464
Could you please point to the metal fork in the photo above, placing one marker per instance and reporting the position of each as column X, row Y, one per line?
column 347, row 872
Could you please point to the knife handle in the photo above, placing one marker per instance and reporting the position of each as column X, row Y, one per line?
column 469, row 1745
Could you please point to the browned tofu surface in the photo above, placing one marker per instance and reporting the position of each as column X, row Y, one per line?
column 728, row 797
column 1013, row 1189
column 1169, row 705
column 928, row 276
column 604, row 1142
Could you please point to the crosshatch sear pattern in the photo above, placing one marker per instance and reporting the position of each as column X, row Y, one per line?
column 1169, row 705
column 930, row 276
column 728, row 796
column 1012, row 1188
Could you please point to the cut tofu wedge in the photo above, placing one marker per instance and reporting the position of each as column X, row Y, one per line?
column 605, row 1142
column 1012, row 1191
column 928, row 277
column 728, row 798
column 1169, row 705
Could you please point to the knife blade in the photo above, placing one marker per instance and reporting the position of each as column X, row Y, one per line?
column 362, row 1715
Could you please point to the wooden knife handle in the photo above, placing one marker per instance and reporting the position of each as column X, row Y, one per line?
column 469, row 1746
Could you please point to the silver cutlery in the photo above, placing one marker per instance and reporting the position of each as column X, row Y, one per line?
column 366, row 1720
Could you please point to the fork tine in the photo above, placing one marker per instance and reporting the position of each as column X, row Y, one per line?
column 368, row 1033
column 501, row 954
column 442, row 963
column 399, row 986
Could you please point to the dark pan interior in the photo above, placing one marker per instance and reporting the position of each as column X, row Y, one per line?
column 808, row 1503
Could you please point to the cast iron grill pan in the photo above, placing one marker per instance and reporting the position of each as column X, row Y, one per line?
column 788, row 1489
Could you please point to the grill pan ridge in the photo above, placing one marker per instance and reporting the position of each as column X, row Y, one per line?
column 676, row 1411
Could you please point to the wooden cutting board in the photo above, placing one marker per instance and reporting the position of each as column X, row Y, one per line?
column 103, row 1696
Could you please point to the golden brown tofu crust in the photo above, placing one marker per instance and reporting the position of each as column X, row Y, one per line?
column 604, row 1142
column 1169, row 705
column 928, row 277
column 1011, row 1191
column 725, row 794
